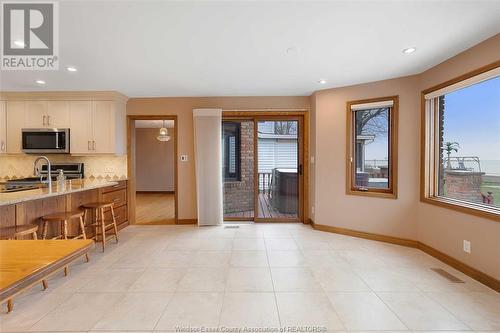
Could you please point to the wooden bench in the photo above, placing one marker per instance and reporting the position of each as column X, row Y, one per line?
column 25, row 263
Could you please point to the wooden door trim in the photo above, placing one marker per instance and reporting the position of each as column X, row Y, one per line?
column 131, row 168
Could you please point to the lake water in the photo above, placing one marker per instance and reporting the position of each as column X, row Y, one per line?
column 491, row 167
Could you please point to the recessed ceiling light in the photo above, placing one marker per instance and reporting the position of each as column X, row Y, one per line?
column 40, row 82
column 322, row 81
column 71, row 69
column 409, row 50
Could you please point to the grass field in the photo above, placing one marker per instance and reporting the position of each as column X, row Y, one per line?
column 495, row 189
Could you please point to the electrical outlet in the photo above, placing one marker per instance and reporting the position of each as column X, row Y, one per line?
column 312, row 159
column 312, row 210
column 466, row 246
column 184, row 158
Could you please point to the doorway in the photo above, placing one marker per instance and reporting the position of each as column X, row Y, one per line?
column 153, row 169
column 262, row 165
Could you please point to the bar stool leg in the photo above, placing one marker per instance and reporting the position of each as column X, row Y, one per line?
column 45, row 227
column 96, row 217
column 65, row 229
column 34, row 235
column 10, row 305
column 103, row 229
column 65, row 270
column 82, row 227
column 45, row 284
column 114, row 224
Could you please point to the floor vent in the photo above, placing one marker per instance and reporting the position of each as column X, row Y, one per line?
column 231, row 226
column 450, row 277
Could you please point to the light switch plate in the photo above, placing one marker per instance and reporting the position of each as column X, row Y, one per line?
column 467, row 246
column 184, row 158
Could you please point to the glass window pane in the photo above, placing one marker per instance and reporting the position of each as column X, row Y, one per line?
column 371, row 148
column 469, row 141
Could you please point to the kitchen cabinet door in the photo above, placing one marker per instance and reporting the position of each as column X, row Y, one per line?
column 15, row 122
column 80, row 129
column 104, row 127
column 3, row 128
column 58, row 114
column 36, row 114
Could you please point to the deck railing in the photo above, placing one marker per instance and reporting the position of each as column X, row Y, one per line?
column 265, row 180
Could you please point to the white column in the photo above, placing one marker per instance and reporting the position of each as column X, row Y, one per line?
column 207, row 140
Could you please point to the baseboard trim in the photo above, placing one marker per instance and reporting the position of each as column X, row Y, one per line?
column 155, row 192
column 366, row 235
column 187, row 221
column 455, row 263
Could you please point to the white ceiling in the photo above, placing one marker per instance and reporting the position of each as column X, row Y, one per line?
column 159, row 48
column 153, row 123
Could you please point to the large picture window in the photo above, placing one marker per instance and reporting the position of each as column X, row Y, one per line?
column 461, row 156
column 231, row 157
column 371, row 147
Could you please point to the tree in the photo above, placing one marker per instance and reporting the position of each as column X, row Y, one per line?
column 373, row 121
column 449, row 147
column 285, row 127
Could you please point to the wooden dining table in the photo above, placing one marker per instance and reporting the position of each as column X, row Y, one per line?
column 24, row 263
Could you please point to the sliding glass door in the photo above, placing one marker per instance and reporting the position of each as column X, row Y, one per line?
column 262, row 168
column 279, row 170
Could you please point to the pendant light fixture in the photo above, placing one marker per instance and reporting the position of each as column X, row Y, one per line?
column 163, row 137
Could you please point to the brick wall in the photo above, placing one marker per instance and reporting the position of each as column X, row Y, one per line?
column 463, row 185
column 238, row 195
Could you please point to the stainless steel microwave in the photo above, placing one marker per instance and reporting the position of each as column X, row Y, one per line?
column 45, row 140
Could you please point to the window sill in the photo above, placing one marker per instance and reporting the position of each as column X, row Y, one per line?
column 464, row 207
column 373, row 194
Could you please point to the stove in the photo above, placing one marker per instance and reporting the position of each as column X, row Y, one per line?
column 71, row 171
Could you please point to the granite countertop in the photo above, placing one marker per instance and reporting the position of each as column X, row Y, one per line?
column 72, row 186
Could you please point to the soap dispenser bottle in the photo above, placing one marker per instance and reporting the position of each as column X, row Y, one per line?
column 61, row 181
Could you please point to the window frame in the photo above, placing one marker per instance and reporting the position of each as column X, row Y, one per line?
column 351, row 189
column 429, row 151
column 227, row 176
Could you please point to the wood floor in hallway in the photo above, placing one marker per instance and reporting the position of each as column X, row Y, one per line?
column 155, row 208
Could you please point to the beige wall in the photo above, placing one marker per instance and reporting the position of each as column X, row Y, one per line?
column 332, row 205
column 183, row 108
column 154, row 169
column 406, row 217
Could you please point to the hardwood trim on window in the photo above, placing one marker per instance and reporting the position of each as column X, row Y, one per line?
column 391, row 191
column 429, row 153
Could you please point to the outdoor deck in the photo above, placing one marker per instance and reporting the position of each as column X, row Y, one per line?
column 265, row 211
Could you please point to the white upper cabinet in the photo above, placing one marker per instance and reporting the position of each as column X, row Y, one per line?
column 15, row 122
column 80, row 130
column 97, row 127
column 96, row 120
column 3, row 128
column 58, row 114
column 35, row 114
column 47, row 114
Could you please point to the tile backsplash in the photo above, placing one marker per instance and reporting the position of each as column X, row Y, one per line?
column 96, row 167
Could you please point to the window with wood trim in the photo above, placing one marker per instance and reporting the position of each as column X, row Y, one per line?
column 231, row 151
column 461, row 140
column 372, row 147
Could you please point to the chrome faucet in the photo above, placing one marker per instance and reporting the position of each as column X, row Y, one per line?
column 37, row 172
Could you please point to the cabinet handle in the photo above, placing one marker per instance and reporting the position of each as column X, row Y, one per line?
column 48, row 120
column 44, row 120
column 93, row 145
column 2, row 146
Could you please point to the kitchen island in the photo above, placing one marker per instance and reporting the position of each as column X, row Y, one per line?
column 27, row 207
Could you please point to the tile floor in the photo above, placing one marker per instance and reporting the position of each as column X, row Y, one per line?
column 160, row 278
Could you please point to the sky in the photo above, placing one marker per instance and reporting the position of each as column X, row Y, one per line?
column 472, row 118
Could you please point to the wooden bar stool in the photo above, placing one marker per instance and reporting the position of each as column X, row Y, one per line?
column 100, row 223
column 17, row 231
column 63, row 218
